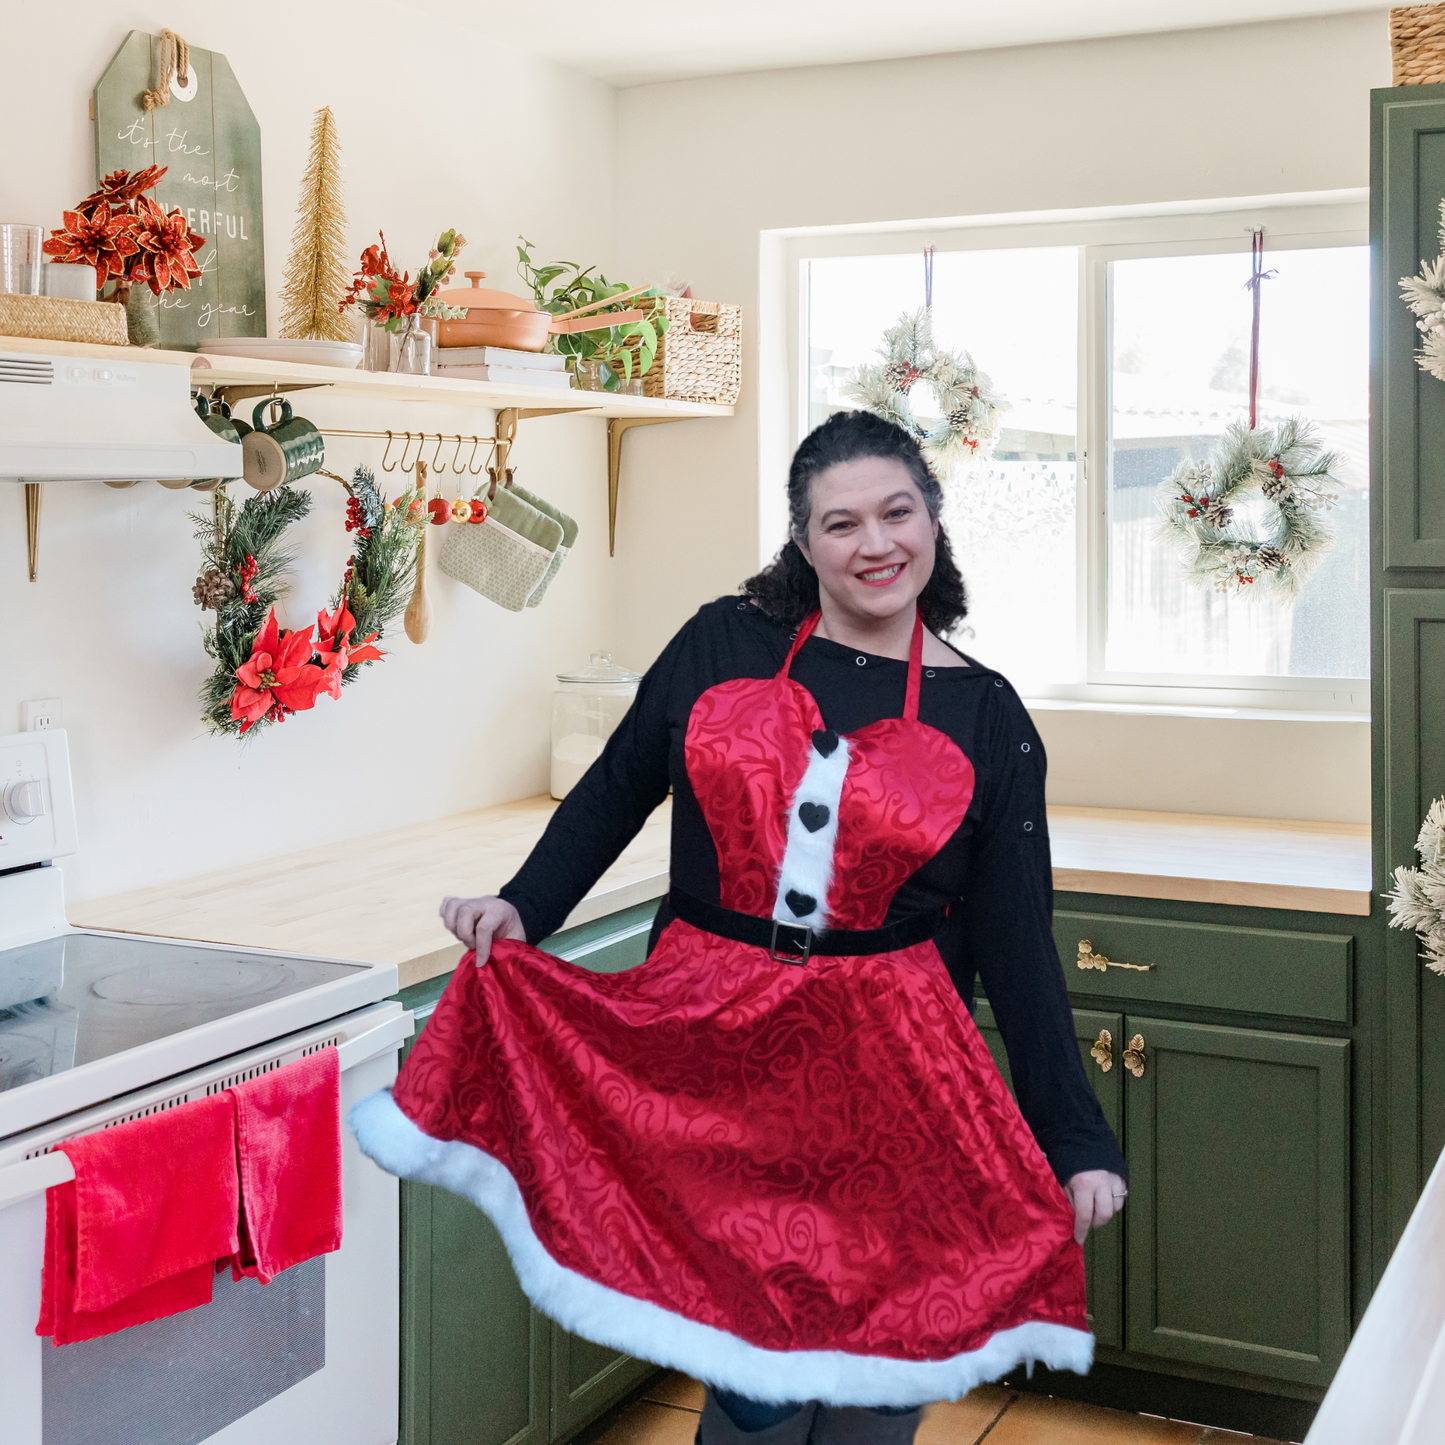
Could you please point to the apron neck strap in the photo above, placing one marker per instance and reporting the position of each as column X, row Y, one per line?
column 915, row 660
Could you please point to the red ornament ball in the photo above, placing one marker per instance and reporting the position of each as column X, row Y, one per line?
column 479, row 512
column 440, row 510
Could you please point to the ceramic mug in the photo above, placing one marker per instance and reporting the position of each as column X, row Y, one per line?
column 217, row 416
column 291, row 449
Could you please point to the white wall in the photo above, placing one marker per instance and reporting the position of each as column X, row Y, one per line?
column 1243, row 111
column 438, row 128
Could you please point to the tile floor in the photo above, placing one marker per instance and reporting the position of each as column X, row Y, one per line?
column 667, row 1414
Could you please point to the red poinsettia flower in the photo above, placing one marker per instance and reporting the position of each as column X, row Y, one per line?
column 278, row 678
column 102, row 240
column 335, row 645
column 121, row 186
column 167, row 248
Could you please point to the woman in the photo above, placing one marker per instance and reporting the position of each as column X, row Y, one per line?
column 777, row 1154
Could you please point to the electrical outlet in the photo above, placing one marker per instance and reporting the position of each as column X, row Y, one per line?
column 40, row 715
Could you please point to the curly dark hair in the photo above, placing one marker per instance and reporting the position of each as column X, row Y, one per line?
column 787, row 588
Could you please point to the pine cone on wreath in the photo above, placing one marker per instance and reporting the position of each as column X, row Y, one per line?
column 900, row 376
column 212, row 590
column 1217, row 514
column 959, row 419
column 1270, row 557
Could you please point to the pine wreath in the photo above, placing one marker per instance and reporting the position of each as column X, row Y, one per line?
column 1425, row 296
column 969, row 406
column 1417, row 900
column 1291, row 471
column 263, row 672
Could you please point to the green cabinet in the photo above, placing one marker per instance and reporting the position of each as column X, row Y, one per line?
column 479, row 1365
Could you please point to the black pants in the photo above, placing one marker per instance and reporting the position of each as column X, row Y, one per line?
column 729, row 1419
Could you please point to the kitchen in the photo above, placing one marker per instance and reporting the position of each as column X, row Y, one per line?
column 337, row 841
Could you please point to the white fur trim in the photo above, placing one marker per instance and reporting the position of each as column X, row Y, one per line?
column 650, row 1332
column 808, row 857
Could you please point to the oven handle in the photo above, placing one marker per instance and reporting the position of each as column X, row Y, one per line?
column 34, row 1176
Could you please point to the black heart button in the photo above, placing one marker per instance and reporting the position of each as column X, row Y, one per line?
column 826, row 741
column 801, row 903
column 812, row 816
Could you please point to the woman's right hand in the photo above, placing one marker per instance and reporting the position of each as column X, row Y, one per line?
column 477, row 921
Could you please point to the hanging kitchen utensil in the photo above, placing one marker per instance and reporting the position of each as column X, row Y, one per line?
column 417, row 618
column 569, row 536
column 506, row 557
column 498, row 318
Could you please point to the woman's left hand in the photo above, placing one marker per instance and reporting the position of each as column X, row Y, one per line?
column 1097, row 1195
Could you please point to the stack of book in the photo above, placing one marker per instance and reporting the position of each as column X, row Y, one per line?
column 497, row 363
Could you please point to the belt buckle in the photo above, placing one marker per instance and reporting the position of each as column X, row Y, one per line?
column 791, row 955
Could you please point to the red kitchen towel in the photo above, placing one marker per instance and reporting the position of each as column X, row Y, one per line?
column 288, row 1139
column 151, row 1208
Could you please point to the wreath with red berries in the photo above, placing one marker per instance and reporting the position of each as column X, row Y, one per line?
column 1247, row 521
column 265, row 672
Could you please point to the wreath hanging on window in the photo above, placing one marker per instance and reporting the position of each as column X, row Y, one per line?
column 1425, row 296
column 1287, row 466
column 264, row 672
column 970, row 407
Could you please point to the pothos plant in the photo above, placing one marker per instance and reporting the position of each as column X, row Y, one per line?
column 618, row 351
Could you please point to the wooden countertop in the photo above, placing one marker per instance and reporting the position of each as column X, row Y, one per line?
column 377, row 898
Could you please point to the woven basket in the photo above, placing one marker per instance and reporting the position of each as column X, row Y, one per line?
column 53, row 318
column 700, row 357
column 1417, row 44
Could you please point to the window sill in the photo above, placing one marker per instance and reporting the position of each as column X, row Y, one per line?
column 1151, row 709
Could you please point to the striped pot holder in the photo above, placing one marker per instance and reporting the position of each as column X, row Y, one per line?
column 508, row 555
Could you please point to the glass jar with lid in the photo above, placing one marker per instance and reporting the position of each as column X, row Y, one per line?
column 586, row 708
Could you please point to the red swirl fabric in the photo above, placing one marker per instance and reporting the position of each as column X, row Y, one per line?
column 807, row 1158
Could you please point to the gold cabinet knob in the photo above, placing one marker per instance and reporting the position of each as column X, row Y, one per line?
column 1134, row 1056
column 1089, row 959
column 1103, row 1051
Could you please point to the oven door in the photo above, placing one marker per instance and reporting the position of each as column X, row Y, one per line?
column 311, row 1356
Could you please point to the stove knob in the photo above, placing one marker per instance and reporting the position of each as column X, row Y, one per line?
column 24, row 802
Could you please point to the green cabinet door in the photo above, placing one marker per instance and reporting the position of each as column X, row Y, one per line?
column 1103, row 1250
column 1237, row 1225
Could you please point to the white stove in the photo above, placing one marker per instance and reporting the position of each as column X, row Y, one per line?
column 97, row 1028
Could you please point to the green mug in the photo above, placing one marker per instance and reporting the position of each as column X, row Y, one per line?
column 291, row 449
column 217, row 416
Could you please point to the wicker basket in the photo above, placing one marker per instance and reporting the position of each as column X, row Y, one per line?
column 700, row 356
column 1417, row 44
column 53, row 318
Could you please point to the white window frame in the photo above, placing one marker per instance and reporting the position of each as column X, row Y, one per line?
column 1338, row 218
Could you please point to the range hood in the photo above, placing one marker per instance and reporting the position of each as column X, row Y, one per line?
column 75, row 419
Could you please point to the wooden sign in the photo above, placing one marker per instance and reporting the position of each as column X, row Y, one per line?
column 210, row 141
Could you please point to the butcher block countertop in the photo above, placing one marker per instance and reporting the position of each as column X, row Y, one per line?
column 384, row 907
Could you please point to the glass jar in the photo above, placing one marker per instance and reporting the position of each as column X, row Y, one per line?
column 586, row 708
column 411, row 349
column 376, row 341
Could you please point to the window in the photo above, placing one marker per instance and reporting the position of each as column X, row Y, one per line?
column 1127, row 341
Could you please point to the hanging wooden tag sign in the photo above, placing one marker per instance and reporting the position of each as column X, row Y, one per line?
column 209, row 139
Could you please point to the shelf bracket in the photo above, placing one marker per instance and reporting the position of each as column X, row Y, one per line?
column 232, row 394
column 617, row 428
column 32, row 526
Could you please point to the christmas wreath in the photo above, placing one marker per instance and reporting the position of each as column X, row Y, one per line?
column 1425, row 296
column 1418, row 898
column 264, row 673
column 969, row 406
column 1201, row 504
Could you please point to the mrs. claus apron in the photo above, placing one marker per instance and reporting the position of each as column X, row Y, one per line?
column 776, row 1155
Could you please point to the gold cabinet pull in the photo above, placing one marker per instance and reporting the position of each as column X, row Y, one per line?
column 1089, row 959
column 1134, row 1056
column 1103, row 1051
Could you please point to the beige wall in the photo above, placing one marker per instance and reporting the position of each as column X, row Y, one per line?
column 110, row 626
column 1243, row 111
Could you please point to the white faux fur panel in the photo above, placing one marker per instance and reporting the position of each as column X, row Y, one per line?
column 652, row 1333
column 808, row 857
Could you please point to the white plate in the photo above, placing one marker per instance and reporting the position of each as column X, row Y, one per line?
column 345, row 354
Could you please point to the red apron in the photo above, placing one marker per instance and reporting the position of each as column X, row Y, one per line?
column 793, row 1181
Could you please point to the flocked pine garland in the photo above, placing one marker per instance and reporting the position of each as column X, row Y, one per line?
column 263, row 672
column 1286, row 466
column 970, row 407
column 1425, row 296
column 1418, row 898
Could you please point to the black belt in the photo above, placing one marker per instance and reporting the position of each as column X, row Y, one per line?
column 796, row 942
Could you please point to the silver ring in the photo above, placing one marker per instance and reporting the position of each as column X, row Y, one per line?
column 1124, row 1195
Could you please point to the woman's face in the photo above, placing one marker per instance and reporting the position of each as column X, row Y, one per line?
column 870, row 538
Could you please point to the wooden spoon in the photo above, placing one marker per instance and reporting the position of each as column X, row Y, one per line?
column 417, row 620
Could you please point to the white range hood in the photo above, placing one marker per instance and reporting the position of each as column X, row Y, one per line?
column 74, row 419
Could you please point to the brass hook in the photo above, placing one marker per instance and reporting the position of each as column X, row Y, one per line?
column 403, row 463
column 457, row 451
column 389, row 439
column 436, row 452
column 471, row 470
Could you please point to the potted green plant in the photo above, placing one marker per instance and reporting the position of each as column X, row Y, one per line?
column 605, row 359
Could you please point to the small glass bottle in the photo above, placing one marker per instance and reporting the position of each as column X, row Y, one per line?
column 586, row 708
column 411, row 350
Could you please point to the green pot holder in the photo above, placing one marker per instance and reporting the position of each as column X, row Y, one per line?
column 506, row 557
column 569, row 536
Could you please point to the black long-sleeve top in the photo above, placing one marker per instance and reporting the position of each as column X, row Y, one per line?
column 993, row 875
